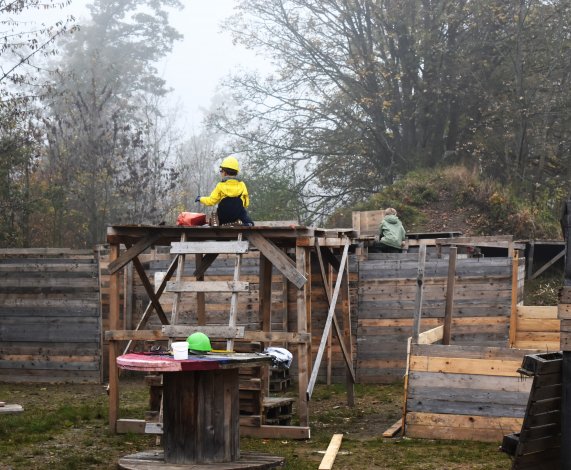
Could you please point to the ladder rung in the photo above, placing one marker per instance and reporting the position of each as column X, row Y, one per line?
column 208, row 286
column 212, row 331
column 233, row 247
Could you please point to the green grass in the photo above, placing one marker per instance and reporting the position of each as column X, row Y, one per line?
column 65, row 427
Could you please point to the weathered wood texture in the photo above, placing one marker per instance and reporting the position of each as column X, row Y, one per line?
column 538, row 444
column 283, row 301
column 537, row 327
column 385, row 307
column 50, row 329
column 465, row 392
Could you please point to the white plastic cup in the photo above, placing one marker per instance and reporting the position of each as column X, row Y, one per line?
column 180, row 350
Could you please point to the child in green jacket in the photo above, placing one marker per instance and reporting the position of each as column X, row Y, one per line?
column 392, row 233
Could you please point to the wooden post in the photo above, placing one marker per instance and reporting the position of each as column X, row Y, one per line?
column 200, row 296
column 566, row 366
column 513, row 315
column 113, row 347
column 419, row 293
column 450, row 294
column 302, row 348
column 328, row 283
column 265, row 289
column 347, row 334
column 530, row 259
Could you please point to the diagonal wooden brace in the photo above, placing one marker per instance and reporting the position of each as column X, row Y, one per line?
column 328, row 321
column 132, row 252
column 344, row 350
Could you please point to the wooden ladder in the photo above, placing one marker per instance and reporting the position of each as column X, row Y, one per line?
column 179, row 287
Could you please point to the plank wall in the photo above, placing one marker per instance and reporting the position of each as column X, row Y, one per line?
column 465, row 392
column 537, row 327
column 50, row 329
column 386, row 301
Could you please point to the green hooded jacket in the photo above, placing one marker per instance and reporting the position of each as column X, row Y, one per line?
column 392, row 232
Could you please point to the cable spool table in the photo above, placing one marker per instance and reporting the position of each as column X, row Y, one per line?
column 201, row 415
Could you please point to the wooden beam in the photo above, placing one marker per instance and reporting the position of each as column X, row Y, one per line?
column 331, row 452
column 419, row 293
column 328, row 322
column 205, row 263
column 549, row 264
column 214, row 331
column 303, row 356
column 132, row 252
column 265, row 295
column 513, row 313
column 149, row 309
column 278, row 258
column 204, row 247
column 394, row 429
column 181, row 331
column 200, row 296
column 449, row 295
column 208, row 286
column 325, row 283
column 431, row 336
column 113, row 323
column 150, row 292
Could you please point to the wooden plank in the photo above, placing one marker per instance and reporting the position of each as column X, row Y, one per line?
column 217, row 331
column 549, row 264
column 460, row 427
column 204, row 247
column 328, row 322
column 536, row 311
column 513, row 314
column 431, row 336
column 465, row 366
column 278, row 258
column 419, row 293
column 394, row 429
column 10, row 408
column 208, row 286
column 446, row 333
column 276, row 432
column 331, row 452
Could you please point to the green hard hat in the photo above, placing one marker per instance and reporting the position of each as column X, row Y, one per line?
column 198, row 342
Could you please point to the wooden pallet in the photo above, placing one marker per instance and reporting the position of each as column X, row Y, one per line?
column 537, row 445
column 278, row 411
column 280, row 380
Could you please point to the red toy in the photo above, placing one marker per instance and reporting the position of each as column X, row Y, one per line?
column 191, row 218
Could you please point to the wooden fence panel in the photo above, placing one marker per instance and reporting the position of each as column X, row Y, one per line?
column 386, row 303
column 465, row 392
column 50, row 327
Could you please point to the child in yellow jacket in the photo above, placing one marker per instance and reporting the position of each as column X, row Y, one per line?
column 230, row 194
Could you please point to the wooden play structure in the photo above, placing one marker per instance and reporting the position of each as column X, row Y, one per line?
column 346, row 314
column 234, row 304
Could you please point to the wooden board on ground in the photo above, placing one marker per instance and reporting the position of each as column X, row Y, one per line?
column 331, row 452
column 7, row 408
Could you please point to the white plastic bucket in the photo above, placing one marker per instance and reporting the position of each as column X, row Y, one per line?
column 180, row 350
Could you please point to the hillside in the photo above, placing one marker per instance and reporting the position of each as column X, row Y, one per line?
column 457, row 199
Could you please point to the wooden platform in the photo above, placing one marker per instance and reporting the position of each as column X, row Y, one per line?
column 151, row 460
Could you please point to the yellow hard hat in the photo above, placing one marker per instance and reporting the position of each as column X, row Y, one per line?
column 230, row 163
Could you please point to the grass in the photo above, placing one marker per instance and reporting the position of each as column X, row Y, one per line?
column 65, row 427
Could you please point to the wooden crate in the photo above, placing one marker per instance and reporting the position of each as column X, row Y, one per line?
column 538, row 443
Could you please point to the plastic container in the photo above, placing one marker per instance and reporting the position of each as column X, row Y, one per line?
column 180, row 350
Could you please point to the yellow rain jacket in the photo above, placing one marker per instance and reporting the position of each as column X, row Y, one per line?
column 228, row 187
